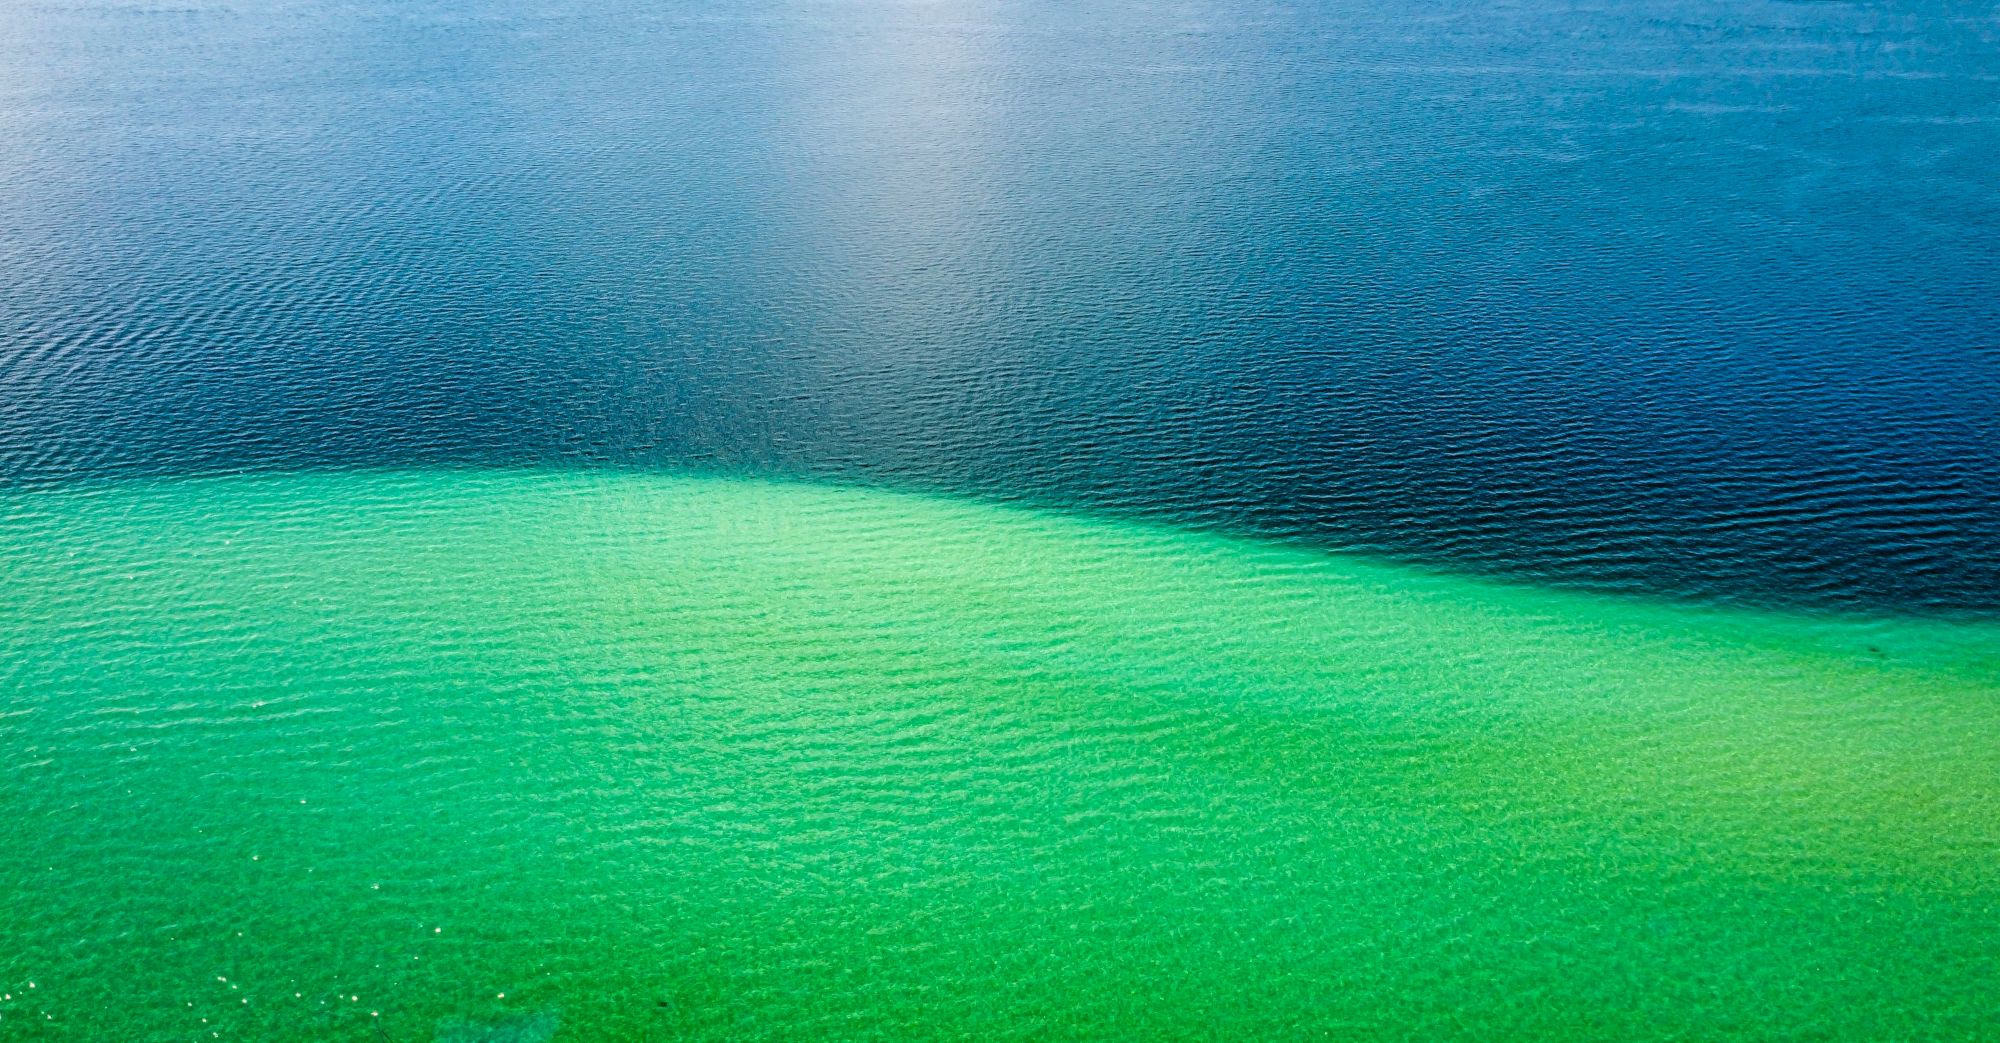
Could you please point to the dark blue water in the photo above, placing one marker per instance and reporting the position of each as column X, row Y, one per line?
column 1681, row 297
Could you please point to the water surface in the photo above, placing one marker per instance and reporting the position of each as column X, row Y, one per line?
column 533, row 520
column 1682, row 296
column 732, row 759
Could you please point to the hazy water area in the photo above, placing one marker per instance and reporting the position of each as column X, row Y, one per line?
column 953, row 520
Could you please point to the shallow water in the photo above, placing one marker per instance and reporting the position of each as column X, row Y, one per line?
column 734, row 759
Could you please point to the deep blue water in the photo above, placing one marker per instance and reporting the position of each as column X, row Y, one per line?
column 1692, row 298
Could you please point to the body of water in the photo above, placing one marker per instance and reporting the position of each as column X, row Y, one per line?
column 873, row 520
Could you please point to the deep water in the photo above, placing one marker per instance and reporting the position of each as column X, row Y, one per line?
column 1667, row 296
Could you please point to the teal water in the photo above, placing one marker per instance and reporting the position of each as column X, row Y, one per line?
column 521, row 755
column 617, row 521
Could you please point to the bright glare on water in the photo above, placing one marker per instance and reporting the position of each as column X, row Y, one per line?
column 534, row 521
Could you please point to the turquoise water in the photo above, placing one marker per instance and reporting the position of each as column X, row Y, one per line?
column 546, row 521
column 468, row 754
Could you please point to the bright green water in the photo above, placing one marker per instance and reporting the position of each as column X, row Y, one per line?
column 662, row 757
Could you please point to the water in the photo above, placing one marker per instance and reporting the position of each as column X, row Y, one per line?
column 733, row 759
column 877, row 520
column 1663, row 296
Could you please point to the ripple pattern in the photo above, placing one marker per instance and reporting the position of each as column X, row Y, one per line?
column 527, row 755
column 1694, row 297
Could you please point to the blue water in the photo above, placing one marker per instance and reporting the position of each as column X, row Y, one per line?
column 547, row 520
column 1690, row 298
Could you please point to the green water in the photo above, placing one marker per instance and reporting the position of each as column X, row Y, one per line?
column 474, row 755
